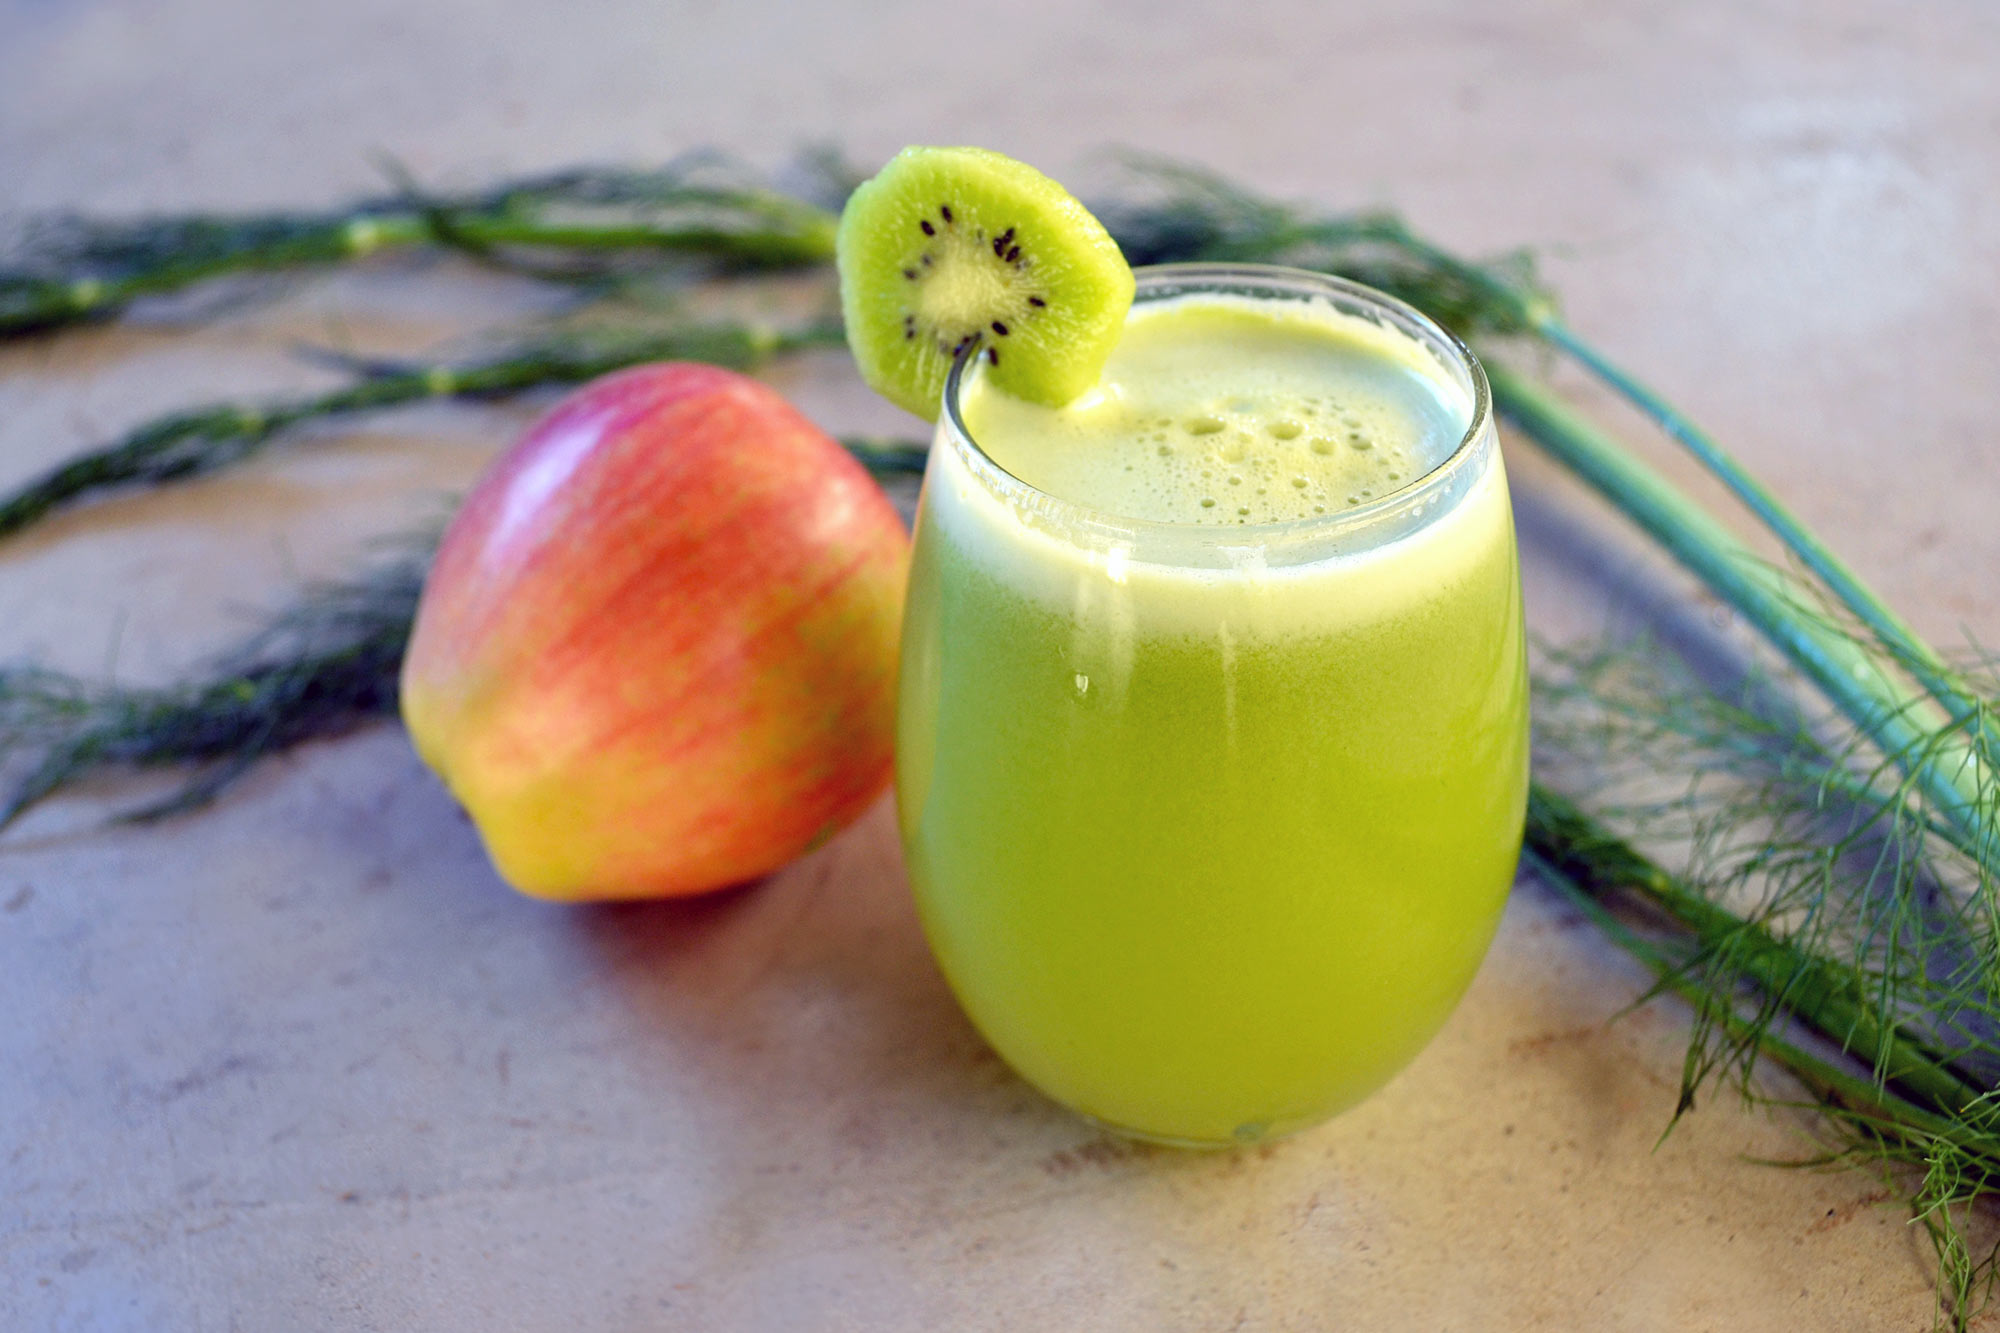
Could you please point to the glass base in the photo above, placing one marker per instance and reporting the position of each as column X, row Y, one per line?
column 1246, row 1136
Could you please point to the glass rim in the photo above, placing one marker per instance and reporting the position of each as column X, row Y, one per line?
column 1411, row 497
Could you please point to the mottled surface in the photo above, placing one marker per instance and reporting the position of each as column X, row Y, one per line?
column 302, row 1062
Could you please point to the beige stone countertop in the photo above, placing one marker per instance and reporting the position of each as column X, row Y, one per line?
column 302, row 1062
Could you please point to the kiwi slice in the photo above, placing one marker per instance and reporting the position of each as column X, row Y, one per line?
column 950, row 248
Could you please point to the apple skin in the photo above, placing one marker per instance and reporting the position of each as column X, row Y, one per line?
column 657, row 652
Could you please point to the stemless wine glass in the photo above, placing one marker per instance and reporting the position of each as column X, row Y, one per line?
column 1209, row 828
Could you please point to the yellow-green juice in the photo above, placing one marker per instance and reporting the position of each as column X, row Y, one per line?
column 1212, row 750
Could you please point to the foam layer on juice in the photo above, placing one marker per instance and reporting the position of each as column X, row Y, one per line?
column 1225, row 410
column 1186, row 575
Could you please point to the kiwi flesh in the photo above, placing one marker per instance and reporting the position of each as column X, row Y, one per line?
column 949, row 249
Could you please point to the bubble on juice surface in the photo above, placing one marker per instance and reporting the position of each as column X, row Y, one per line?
column 1277, row 445
column 1250, row 448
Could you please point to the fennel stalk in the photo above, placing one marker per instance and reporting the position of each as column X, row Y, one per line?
column 568, row 225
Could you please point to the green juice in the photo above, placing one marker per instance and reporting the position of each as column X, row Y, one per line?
column 1212, row 751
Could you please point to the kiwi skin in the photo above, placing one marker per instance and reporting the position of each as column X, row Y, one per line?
column 947, row 247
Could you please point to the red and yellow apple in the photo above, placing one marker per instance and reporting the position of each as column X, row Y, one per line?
column 657, row 652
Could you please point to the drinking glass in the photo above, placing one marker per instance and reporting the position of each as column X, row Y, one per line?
column 1209, row 827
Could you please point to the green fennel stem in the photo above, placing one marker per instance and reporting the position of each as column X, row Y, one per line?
column 1909, row 729
column 1887, row 1111
column 780, row 233
column 1812, row 989
column 1891, row 630
column 192, row 443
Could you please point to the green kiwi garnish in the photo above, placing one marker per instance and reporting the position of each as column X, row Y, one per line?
column 950, row 248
